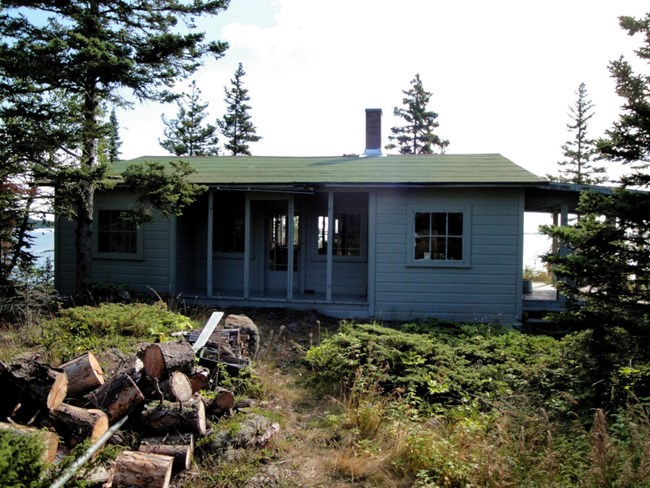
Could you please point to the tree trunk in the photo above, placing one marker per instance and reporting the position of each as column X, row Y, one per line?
column 49, row 439
column 222, row 402
column 160, row 360
column 75, row 424
column 84, row 374
column 179, row 446
column 117, row 397
column 30, row 388
column 141, row 469
column 172, row 417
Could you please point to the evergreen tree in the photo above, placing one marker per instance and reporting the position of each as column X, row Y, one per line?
column 577, row 166
column 94, row 52
column 606, row 274
column 114, row 141
column 417, row 135
column 236, row 125
column 187, row 135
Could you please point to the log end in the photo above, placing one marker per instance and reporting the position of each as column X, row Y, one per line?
column 154, row 361
column 58, row 392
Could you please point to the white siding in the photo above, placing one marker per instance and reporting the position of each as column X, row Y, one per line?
column 485, row 290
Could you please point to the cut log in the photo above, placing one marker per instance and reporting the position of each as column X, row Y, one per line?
column 160, row 360
column 179, row 446
column 177, row 387
column 31, row 387
column 142, row 469
column 49, row 439
column 199, row 378
column 84, row 374
column 174, row 418
column 117, row 397
column 133, row 367
column 223, row 402
column 75, row 424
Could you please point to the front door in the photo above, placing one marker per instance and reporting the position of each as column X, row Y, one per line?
column 278, row 247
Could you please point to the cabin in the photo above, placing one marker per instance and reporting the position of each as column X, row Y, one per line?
column 372, row 236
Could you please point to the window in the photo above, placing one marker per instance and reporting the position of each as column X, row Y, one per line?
column 347, row 234
column 229, row 224
column 115, row 235
column 439, row 238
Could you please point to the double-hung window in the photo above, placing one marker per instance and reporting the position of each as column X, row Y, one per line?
column 439, row 237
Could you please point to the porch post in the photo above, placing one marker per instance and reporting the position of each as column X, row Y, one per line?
column 247, row 246
column 290, row 238
column 210, row 238
column 330, row 245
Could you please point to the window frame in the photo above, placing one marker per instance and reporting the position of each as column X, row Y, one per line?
column 439, row 263
column 138, row 255
column 343, row 209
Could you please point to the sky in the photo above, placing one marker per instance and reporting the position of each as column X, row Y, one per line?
column 502, row 73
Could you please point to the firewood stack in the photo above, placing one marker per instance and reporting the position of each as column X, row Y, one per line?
column 159, row 389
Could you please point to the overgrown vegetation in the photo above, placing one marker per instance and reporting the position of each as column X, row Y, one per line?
column 110, row 325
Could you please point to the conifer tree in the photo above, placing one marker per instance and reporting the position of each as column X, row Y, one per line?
column 187, row 134
column 578, row 166
column 95, row 53
column 114, row 141
column 417, row 135
column 236, row 125
column 606, row 274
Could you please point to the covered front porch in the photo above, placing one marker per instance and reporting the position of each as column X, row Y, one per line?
column 276, row 247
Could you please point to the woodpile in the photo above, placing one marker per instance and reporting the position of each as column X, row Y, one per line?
column 160, row 389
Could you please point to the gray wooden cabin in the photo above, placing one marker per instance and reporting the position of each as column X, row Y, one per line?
column 370, row 236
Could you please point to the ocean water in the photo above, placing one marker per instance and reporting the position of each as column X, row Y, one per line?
column 43, row 245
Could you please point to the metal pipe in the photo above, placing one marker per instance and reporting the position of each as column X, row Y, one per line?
column 81, row 460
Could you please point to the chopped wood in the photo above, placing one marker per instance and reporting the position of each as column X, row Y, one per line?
column 223, row 402
column 199, row 378
column 142, row 469
column 132, row 366
column 179, row 446
column 49, row 439
column 160, row 360
column 171, row 417
column 117, row 397
column 84, row 374
column 30, row 388
column 76, row 424
column 177, row 388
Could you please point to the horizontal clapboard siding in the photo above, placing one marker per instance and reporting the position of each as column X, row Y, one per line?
column 484, row 290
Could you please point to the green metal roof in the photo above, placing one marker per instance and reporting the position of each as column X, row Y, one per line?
column 435, row 169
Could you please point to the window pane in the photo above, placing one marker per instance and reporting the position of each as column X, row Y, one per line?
column 456, row 224
column 438, row 248
column 347, row 234
column 229, row 223
column 422, row 250
column 422, row 224
column 439, row 224
column 455, row 249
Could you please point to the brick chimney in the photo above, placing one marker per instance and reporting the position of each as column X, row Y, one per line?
column 373, row 133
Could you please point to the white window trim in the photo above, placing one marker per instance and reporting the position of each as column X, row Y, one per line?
column 466, row 262
column 136, row 256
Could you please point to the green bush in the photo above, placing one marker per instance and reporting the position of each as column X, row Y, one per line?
column 21, row 463
column 80, row 329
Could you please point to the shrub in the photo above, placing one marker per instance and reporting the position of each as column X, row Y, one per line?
column 21, row 462
column 81, row 329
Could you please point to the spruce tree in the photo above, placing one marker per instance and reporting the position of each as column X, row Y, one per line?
column 417, row 135
column 578, row 166
column 95, row 53
column 606, row 274
column 187, row 134
column 236, row 125
column 114, row 141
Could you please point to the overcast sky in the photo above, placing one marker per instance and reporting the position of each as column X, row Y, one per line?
column 503, row 73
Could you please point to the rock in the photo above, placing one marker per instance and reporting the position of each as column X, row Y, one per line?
column 253, row 431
